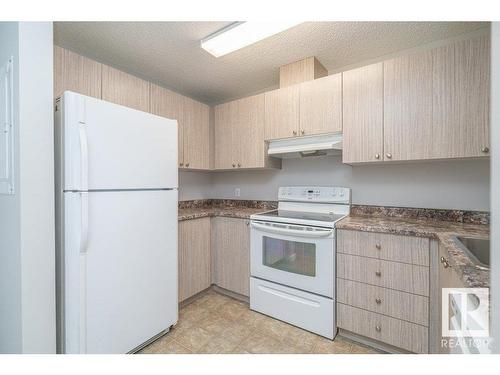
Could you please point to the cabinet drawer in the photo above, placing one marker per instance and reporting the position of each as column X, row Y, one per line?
column 395, row 332
column 396, row 304
column 406, row 249
column 399, row 276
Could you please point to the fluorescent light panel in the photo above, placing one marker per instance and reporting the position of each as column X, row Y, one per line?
column 242, row 34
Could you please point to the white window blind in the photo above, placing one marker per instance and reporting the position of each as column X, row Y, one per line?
column 6, row 128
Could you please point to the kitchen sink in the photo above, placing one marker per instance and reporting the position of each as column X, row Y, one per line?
column 476, row 248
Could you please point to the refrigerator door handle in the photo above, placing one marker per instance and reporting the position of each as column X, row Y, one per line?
column 84, row 156
column 84, row 221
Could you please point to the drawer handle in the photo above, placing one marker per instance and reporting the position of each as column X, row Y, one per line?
column 378, row 301
column 378, row 246
column 378, row 328
column 378, row 273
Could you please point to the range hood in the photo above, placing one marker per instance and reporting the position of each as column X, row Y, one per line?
column 300, row 147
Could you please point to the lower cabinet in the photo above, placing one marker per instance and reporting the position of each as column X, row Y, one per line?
column 383, row 288
column 231, row 254
column 194, row 257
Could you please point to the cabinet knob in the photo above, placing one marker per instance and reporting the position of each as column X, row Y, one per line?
column 294, row 132
column 187, row 164
column 234, row 165
column 378, row 328
column 389, row 156
column 378, row 301
column 378, row 273
column 302, row 132
column 181, row 164
column 445, row 262
column 485, row 150
column 377, row 156
column 378, row 247
column 239, row 165
column 247, row 223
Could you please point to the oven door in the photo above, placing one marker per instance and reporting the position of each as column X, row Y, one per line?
column 298, row 256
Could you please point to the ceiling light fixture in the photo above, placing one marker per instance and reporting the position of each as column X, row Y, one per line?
column 241, row 34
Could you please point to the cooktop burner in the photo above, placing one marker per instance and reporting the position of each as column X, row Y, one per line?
column 313, row 216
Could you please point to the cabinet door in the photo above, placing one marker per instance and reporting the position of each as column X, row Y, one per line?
column 282, row 112
column 196, row 135
column 408, row 107
column 231, row 248
column 226, row 118
column 363, row 114
column 194, row 257
column 76, row 73
column 249, row 132
column 124, row 89
column 168, row 104
column 461, row 96
column 321, row 105
column 448, row 278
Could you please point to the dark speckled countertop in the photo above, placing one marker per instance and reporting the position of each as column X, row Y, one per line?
column 241, row 209
column 472, row 274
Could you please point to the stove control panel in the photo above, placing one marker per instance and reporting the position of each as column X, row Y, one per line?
column 318, row 194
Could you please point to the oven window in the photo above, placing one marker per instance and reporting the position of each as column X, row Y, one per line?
column 289, row 256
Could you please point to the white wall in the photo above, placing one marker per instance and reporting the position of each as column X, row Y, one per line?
column 195, row 185
column 27, row 288
column 10, row 222
column 438, row 184
column 495, row 181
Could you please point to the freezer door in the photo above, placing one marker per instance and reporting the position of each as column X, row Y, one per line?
column 120, row 269
column 108, row 146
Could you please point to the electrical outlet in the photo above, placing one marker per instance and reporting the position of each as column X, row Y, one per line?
column 237, row 192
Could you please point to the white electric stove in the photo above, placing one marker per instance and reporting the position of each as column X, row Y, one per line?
column 292, row 257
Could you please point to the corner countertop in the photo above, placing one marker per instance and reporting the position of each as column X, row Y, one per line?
column 235, row 212
column 472, row 274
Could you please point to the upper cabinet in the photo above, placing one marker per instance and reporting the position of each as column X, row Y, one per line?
column 124, row 89
column 76, row 73
column 168, row 104
column 239, row 135
column 435, row 105
column 282, row 112
column 196, row 130
column 321, row 105
column 460, row 100
column 363, row 114
column 408, row 107
column 226, row 118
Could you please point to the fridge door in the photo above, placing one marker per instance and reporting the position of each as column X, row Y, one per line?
column 108, row 146
column 120, row 261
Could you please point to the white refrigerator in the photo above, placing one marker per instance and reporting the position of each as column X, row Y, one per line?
column 116, row 187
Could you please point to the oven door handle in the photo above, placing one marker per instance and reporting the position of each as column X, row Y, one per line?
column 317, row 233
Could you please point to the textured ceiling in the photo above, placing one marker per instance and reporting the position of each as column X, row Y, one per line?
column 169, row 53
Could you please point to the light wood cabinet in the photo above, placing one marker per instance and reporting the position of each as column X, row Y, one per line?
column 447, row 278
column 363, row 114
column 226, row 120
column 282, row 112
column 408, row 107
column 239, row 135
column 395, row 332
column 321, row 105
column 168, row 104
column 196, row 129
column 76, row 73
column 124, row 89
column 460, row 100
column 435, row 105
column 231, row 249
column 194, row 257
